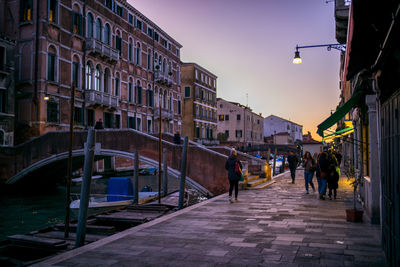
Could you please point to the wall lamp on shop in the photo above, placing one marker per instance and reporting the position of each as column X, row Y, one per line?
column 297, row 58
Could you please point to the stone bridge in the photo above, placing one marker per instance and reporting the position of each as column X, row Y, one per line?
column 46, row 156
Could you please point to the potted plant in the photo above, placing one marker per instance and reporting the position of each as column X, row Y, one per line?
column 353, row 214
column 157, row 67
column 170, row 73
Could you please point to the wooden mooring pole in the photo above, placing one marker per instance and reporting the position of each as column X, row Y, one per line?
column 273, row 170
column 136, row 178
column 69, row 168
column 165, row 173
column 85, row 190
column 183, row 173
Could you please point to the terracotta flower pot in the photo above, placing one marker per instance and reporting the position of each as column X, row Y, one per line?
column 353, row 215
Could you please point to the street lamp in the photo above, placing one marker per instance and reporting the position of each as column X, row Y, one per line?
column 297, row 58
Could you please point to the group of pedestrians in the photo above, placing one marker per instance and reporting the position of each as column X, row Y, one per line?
column 324, row 165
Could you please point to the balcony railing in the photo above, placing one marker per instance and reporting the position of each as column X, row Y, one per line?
column 165, row 114
column 162, row 78
column 98, row 47
column 208, row 142
column 94, row 97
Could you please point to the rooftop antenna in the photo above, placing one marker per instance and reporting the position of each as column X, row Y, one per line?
column 247, row 100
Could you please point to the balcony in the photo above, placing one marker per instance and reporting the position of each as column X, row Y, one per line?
column 207, row 142
column 169, row 115
column 94, row 97
column 97, row 47
column 163, row 78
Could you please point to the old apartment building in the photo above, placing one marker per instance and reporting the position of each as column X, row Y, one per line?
column 199, row 103
column 122, row 65
column 239, row 124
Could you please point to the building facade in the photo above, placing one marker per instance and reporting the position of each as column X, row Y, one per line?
column 7, row 88
column 239, row 124
column 274, row 124
column 370, row 88
column 122, row 65
column 199, row 103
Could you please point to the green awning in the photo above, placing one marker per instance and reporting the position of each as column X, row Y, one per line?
column 340, row 113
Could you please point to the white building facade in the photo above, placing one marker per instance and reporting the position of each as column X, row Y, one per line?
column 274, row 125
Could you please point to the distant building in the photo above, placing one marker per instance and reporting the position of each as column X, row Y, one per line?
column 199, row 103
column 283, row 138
column 274, row 124
column 238, row 124
column 7, row 89
column 311, row 145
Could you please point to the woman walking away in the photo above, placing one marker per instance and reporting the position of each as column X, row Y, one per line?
column 333, row 176
column 234, row 168
column 322, row 173
column 309, row 165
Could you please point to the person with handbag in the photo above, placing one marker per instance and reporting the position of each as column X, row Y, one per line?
column 234, row 168
column 322, row 171
column 309, row 165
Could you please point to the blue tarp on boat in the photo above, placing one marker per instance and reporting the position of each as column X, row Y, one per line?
column 119, row 186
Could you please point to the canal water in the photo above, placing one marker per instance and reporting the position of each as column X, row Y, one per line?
column 28, row 210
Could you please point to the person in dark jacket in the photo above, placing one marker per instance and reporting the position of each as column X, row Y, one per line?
column 293, row 162
column 322, row 171
column 177, row 138
column 99, row 125
column 333, row 176
column 309, row 165
column 233, row 177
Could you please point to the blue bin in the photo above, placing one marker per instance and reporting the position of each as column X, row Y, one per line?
column 119, row 186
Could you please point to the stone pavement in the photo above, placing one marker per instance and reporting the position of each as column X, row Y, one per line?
column 276, row 226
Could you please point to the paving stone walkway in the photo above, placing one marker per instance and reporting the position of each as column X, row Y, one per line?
column 276, row 226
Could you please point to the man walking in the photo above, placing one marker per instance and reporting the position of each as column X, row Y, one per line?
column 293, row 161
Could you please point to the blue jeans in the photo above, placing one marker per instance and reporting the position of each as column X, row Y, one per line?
column 321, row 185
column 308, row 179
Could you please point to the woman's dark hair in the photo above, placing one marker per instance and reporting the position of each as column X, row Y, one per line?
column 305, row 155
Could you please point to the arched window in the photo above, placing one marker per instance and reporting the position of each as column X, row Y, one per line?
column 164, row 67
column 156, row 96
column 117, row 84
column 138, row 53
column 90, row 26
column 165, row 95
column 139, row 93
column 75, row 71
column 106, row 80
column 98, row 29
column 149, row 96
column 76, row 20
column 97, row 78
column 118, row 42
column 88, row 76
column 131, row 91
column 130, row 50
column 107, row 34
column 149, row 59
column 52, row 64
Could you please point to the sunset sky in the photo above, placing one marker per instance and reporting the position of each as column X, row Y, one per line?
column 250, row 44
